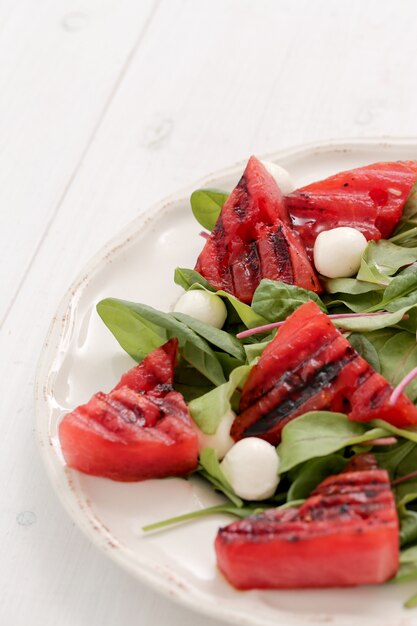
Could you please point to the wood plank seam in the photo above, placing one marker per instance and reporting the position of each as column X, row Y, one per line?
column 129, row 59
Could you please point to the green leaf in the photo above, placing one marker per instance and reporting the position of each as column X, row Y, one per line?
column 402, row 290
column 219, row 338
column 366, row 349
column 364, row 324
column 210, row 469
column 190, row 382
column 363, row 302
column 136, row 335
column 408, row 534
column 411, row 602
column 275, row 301
column 227, row 508
column 406, row 231
column 206, row 205
column 313, row 472
column 119, row 315
column 186, row 278
column 398, row 356
column 383, row 259
column 228, row 363
column 208, row 410
column 409, row 433
column 391, row 459
column 350, row 286
column 319, row 433
column 254, row 351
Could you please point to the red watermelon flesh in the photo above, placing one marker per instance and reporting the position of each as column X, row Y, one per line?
column 253, row 239
column 154, row 372
column 369, row 198
column 311, row 366
column 141, row 429
column 346, row 533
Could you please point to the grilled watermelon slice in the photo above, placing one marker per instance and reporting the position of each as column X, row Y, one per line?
column 369, row 198
column 345, row 534
column 311, row 366
column 141, row 429
column 253, row 239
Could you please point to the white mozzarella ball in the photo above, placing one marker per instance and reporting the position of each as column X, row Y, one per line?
column 251, row 467
column 204, row 306
column 221, row 441
column 338, row 252
column 282, row 177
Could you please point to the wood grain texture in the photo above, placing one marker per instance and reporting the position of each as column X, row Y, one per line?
column 106, row 107
column 63, row 68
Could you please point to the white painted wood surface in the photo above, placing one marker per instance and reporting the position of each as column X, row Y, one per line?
column 105, row 107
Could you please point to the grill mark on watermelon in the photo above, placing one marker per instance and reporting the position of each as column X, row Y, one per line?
column 366, row 374
column 163, row 388
column 282, row 255
column 241, row 208
column 253, row 261
column 307, row 389
column 218, row 235
column 134, row 415
column 380, row 396
column 291, row 378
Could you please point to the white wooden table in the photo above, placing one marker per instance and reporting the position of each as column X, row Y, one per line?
column 106, row 106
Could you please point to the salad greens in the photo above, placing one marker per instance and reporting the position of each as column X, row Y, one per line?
column 214, row 365
column 206, row 205
column 319, row 433
column 208, row 410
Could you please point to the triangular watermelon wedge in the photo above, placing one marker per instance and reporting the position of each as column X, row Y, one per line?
column 345, row 533
column 311, row 366
column 370, row 199
column 141, row 429
column 253, row 239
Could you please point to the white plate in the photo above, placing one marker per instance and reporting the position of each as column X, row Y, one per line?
column 80, row 357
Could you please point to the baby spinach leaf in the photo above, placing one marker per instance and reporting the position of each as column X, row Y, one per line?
column 313, row 472
column 364, row 324
column 186, row 278
column 385, row 259
column 190, row 382
column 137, row 335
column 391, row 459
column 254, row 351
column 409, row 433
column 351, row 286
column 366, row 349
column 119, row 315
column 408, row 534
column 226, row 508
column 398, row 356
column 406, row 231
column 208, row 410
column 275, row 300
column 219, row 338
column 408, row 555
column 402, row 290
column 228, row 363
column 206, row 205
column 210, row 469
column 318, row 433
column 369, row 270
column 358, row 303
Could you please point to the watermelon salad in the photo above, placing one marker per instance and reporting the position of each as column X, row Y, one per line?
column 285, row 376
